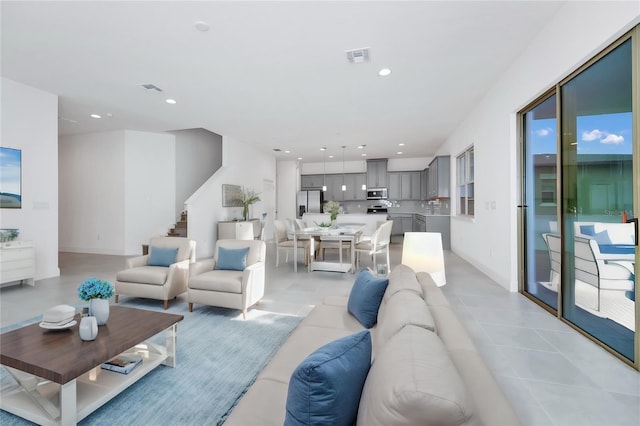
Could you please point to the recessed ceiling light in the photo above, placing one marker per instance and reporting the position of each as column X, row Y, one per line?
column 399, row 152
column 287, row 151
column 384, row 72
column 95, row 116
column 299, row 158
column 364, row 154
column 202, row 26
column 170, row 101
column 331, row 156
column 400, row 144
column 360, row 146
column 324, row 148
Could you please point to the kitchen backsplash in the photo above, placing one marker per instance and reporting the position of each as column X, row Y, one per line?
column 441, row 207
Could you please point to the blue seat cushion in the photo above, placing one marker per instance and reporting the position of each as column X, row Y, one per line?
column 587, row 230
column 365, row 297
column 232, row 259
column 162, row 256
column 325, row 388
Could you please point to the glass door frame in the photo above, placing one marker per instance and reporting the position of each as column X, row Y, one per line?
column 522, row 206
column 634, row 35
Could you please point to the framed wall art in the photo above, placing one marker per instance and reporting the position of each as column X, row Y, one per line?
column 10, row 178
column 231, row 195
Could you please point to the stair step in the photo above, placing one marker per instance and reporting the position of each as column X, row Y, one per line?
column 180, row 228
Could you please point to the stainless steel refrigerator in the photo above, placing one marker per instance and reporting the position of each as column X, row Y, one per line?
column 309, row 202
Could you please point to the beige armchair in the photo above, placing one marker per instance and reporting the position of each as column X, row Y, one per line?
column 231, row 287
column 162, row 274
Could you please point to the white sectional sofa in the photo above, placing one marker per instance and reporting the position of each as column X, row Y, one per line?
column 425, row 368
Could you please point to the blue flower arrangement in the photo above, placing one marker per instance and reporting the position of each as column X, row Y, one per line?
column 94, row 288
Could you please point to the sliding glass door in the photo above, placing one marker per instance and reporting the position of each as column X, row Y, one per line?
column 598, row 199
column 580, row 176
column 540, row 207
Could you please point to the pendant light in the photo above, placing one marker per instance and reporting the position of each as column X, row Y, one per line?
column 344, row 187
column 324, row 168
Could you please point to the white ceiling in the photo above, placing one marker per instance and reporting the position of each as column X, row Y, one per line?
column 272, row 74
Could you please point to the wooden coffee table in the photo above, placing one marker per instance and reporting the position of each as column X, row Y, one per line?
column 59, row 375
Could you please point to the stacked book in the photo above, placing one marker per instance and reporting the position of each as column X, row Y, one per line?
column 123, row 363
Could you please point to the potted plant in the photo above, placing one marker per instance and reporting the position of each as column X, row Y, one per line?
column 97, row 292
column 247, row 197
column 333, row 208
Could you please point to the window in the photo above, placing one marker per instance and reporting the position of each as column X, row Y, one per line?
column 465, row 183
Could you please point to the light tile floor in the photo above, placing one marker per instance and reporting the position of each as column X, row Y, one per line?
column 552, row 374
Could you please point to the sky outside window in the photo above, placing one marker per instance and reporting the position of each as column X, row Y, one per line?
column 597, row 134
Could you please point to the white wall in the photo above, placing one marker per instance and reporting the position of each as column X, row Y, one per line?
column 287, row 187
column 29, row 122
column 149, row 187
column 241, row 165
column 92, row 193
column 198, row 156
column 113, row 199
column 490, row 240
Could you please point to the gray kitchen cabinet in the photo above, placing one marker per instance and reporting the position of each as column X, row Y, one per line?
column 394, row 186
column 415, row 186
column 359, row 193
column 334, row 188
column 407, row 224
column 404, row 185
column 441, row 224
column 350, row 193
column 419, row 223
column 424, row 184
column 353, row 181
column 311, row 181
column 401, row 223
column 438, row 179
column 377, row 173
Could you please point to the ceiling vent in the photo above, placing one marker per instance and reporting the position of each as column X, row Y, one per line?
column 277, row 149
column 149, row 86
column 358, row 56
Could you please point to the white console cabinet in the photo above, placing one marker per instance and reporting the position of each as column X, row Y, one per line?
column 235, row 230
column 17, row 262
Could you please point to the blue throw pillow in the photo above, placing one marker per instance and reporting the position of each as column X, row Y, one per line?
column 325, row 388
column 587, row 230
column 232, row 259
column 365, row 297
column 162, row 256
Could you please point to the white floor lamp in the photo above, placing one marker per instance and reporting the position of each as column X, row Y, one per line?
column 422, row 252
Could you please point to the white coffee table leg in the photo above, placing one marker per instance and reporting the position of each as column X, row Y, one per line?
column 68, row 411
column 170, row 343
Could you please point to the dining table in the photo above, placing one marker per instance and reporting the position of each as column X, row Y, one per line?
column 350, row 233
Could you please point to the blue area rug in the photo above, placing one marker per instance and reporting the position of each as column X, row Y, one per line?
column 219, row 356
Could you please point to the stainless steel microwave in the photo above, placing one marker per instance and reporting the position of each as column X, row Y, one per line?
column 377, row 194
